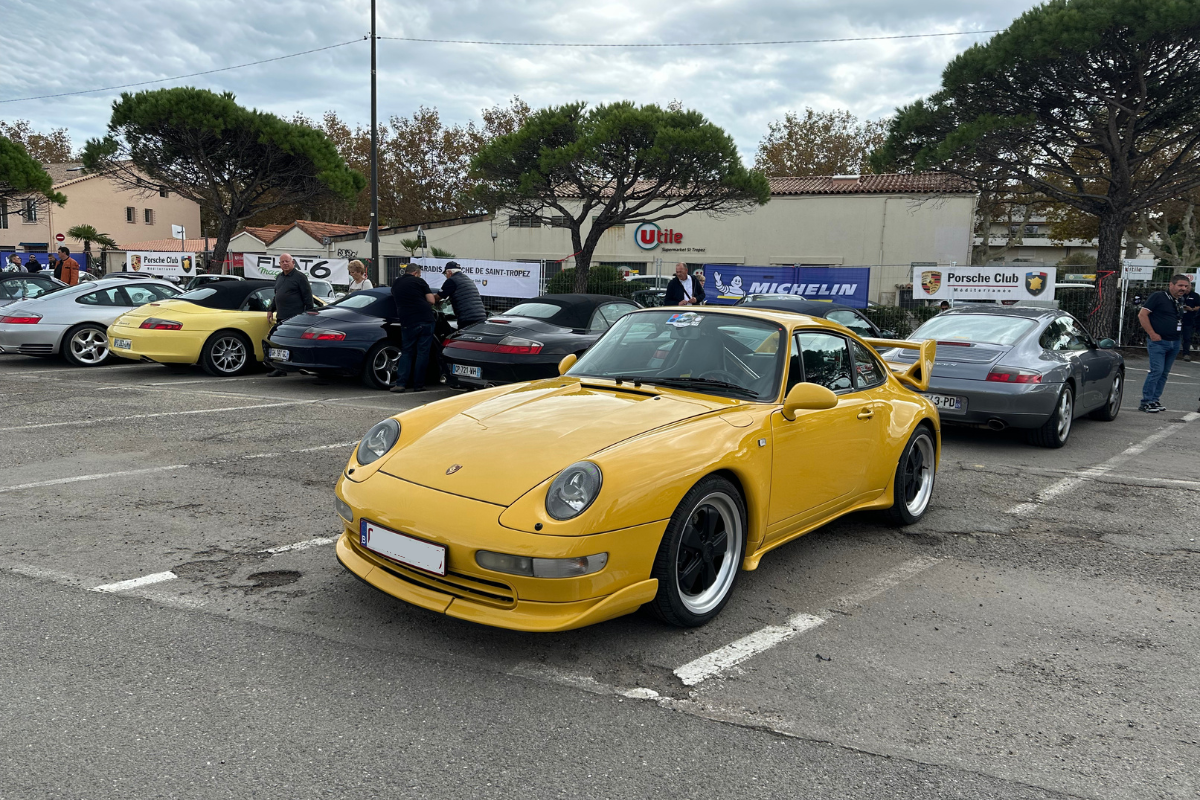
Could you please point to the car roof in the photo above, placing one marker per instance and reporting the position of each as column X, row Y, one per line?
column 228, row 294
column 1033, row 312
column 785, row 319
column 787, row 302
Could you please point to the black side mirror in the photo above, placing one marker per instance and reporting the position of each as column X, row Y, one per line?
column 1107, row 344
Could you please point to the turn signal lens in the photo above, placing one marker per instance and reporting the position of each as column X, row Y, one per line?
column 519, row 346
column 24, row 319
column 323, row 335
column 541, row 567
column 1010, row 375
column 156, row 324
column 344, row 510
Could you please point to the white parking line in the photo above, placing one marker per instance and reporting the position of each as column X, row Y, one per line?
column 82, row 422
column 134, row 583
column 285, row 548
column 97, row 477
column 734, row 653
column 1072, row 481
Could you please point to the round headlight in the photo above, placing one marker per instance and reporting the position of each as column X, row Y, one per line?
column 378, row 441
column 573, row 490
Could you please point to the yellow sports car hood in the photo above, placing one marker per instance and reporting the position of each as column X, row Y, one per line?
column 501, row 448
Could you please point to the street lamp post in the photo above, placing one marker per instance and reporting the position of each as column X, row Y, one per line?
column 373, row 231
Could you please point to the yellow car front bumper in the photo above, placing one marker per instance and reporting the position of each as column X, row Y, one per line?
column 470, row 592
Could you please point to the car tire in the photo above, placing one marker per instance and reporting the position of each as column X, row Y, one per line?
column 1057, row 429
column 227, row 353
column 379, row 365
column 700, row 554
column 1112, row 406
column 916, row 473
column 86, row 345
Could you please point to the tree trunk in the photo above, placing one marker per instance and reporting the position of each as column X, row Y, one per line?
column 1103, row 322
column 224, row 233
column 583, row 259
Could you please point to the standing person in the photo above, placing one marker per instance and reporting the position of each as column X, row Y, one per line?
column 53, row 266
column 68, row 268
column 699, row 275
column 13, row 264
column 358, row 277
column 682, row 290
column 1162, row 321
column 1191, row 312
column 293, row 295
column 33, row 265
column 414, row 307
column 468, row 306
column 943, row 306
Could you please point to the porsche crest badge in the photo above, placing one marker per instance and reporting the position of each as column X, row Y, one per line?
column 453, row 469
column 931, row 281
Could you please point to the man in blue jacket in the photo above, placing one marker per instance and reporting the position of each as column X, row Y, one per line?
column 683, row 289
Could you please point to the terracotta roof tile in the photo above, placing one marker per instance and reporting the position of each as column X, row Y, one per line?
column 319, row 230
column 919, row 183
column 169, row 245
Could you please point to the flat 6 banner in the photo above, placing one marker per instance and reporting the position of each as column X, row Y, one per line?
column 1012, row 282
column 334, row 270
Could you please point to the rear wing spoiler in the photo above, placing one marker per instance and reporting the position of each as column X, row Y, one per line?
column 915, row 375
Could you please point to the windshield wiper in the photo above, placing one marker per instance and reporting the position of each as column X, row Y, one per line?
column 705, row 383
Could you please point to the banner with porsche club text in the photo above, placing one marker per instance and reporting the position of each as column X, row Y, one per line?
column 334, row 270
column 1010, row 282
column 162, row 264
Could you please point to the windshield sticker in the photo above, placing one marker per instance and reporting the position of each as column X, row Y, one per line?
column 688, row 319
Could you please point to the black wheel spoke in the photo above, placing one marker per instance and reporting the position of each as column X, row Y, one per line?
column 691, row 571
column 693, row 534
column 711, row 518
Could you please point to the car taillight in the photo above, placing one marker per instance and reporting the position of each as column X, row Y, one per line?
column 1009, row 375
column 156, row 324
column 518, row 345
column 954, row 344
column 23, row 319
column 323, row 335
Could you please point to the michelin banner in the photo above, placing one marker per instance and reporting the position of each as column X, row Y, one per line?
column 334, row 270
column 726, row 284
column 493, row 278
column 163, row 265
column 983, row 283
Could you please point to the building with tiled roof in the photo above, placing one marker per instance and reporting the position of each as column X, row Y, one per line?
column 97, row 200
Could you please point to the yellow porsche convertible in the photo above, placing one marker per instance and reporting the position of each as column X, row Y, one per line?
column 682, row 446
column 220, row 326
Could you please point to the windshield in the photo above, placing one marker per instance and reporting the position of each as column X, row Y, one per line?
column 196, row 295
column 356, row 301
column 534, row 310
column 986, row 328
column 701, row 351
column 321, row 288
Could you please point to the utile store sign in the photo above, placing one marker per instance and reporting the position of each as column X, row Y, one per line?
column 649, row 236
column 982, row 283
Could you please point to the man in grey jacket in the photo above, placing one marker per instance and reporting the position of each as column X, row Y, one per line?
column 293, row 296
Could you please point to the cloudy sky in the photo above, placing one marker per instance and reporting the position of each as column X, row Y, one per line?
column 71, row 45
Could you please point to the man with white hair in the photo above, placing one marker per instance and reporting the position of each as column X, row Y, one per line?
column 683, row 290
column 293, row 296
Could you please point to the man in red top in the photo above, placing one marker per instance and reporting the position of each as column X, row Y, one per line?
column 70, row 267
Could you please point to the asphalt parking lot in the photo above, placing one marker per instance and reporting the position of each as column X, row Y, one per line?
column 174, row 623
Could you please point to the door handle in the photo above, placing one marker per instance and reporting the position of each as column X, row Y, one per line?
column 866, row 413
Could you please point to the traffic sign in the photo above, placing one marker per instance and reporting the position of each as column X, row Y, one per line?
column 60, row 238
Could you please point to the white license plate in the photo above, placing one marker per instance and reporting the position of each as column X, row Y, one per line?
column 276, row 353
column 466, row 372
column 123, row 344
column 946, row 402
column 405, row 549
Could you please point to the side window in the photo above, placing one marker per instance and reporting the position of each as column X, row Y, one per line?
column 1056, row 336
column 141, row 294
column 852, row 321
column 826, row 360
column 866, row 367
column 614, row 311
column 105, row 297
column 1082, row 339
column 259, row 300
column 598, row 323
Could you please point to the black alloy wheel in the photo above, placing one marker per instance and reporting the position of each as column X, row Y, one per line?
column 916, row 473
column 379, row 365
column 701, row 554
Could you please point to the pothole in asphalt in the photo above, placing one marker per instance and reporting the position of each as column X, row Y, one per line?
column 272, row 579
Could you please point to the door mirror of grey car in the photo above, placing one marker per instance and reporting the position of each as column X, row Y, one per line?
column 1107, row 344
column 807, row 397
column 567, row 363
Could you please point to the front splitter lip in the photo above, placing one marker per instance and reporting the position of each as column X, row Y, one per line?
column 523, row 615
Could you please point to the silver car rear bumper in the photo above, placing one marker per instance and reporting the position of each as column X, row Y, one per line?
column 1017, row 405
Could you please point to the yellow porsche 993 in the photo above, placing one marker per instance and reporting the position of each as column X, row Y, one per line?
column 680, row 449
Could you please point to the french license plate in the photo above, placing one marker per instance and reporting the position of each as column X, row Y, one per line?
column 946, row 402
column 466, row 372
column 277, row 354
column 123, row 344
column 405, row 549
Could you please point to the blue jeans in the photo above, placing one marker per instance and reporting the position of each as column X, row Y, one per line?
column 1162, row 357
column 415, row 342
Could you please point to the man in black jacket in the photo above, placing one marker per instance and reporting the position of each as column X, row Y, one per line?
column 468, row 306
column 683, row 290
column 293, row 295
column 414, row 307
